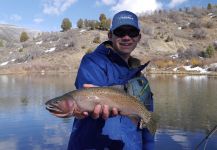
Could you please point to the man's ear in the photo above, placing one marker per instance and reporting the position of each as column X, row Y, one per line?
column 139, row 37
column 110, row 35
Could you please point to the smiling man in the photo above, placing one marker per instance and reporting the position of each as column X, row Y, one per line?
column 111, row 65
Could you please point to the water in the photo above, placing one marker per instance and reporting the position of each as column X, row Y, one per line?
column 187, row 106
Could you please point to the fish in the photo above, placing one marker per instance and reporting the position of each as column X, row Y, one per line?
column 85, row 99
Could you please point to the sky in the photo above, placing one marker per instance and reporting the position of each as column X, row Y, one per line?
column 47, row 15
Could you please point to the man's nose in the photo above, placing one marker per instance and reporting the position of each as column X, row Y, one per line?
column 126, row 37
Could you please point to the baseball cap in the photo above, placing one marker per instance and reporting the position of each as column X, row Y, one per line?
column 124, row 18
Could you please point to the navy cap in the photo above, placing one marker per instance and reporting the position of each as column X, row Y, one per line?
column 124, row 18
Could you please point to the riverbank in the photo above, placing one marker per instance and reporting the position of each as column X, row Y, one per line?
column 68, row 71
column 182, row 72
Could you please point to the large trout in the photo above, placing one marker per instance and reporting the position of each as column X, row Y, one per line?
column 85, row 100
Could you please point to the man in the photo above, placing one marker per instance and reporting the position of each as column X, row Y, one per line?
column 109, row 65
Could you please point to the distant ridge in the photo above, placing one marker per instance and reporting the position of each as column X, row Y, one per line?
column 11, row 33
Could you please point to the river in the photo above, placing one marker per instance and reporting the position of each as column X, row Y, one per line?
column 187, row 106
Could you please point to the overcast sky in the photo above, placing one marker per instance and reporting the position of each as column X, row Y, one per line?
column 47, row 15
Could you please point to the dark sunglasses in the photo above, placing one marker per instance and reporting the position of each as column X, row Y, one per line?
column 123, row 32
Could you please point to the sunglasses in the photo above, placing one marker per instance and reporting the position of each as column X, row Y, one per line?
column 121, row 32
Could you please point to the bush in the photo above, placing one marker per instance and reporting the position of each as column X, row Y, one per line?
column 169, row 39
column 164, row 63
column 209, row 6
column 215, row 45
column 1, row 44
column 210, row 51
column 66, row 24
column 196, row 62
column 89, row 50
column 104, row 23
column 23, row 37
column 20, row 50
column 199, row 34
column 189, row 53
column 195, row 24
column 208, row 24
column 97, row 40
column 80, row 23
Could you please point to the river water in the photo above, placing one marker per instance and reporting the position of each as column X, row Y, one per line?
column 187, row 106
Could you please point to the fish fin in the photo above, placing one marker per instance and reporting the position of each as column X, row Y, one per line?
column 152, row 124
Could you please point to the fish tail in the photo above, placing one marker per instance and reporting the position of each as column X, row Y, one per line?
column 152, row 124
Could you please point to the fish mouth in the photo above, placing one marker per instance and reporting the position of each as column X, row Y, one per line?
column 60, row 107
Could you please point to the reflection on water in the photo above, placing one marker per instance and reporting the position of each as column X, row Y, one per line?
column 187, row 106
column 25, row 124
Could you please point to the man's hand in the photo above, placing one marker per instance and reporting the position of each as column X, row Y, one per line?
column 99, row 110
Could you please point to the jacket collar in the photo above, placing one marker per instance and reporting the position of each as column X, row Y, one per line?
column 106, row 49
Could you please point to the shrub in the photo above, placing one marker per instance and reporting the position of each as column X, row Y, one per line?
column 104, row 22
column 97, row 40
column 210, row 51
column 80, row 23
column 23, row 37
column 66, row 24
column 89, row 50
column 1, row 44
column 148, row 30
column 195, row 24
column 208, row 24
column 20, row 49
column 102, row 17
column 189, row 53
column 196, row 62
column 168, row 39
column 199, row 34
column 164, row 63
column 209, row 6
column 215, row 45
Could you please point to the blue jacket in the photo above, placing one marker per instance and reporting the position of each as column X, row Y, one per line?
column 104, row 67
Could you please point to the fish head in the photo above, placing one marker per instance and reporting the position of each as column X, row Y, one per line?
column 61, row 105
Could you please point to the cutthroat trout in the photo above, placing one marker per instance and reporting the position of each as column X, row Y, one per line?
column 84, row 100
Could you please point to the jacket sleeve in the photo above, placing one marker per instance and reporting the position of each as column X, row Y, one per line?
column 90, row 72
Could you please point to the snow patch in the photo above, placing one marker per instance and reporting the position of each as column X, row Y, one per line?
column 189, row 68
column 83, row 30
column 39, row 43
column 174, row 56
column 4, row 63
column 199, row 69
column 50, row 50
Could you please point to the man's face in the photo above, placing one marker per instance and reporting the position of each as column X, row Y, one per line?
column 125, row 39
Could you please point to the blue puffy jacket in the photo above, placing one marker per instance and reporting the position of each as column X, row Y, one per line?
column 104, row 67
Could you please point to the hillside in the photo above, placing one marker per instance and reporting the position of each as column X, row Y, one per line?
column 171, row 39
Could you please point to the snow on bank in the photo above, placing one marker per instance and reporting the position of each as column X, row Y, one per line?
column 213, row 65
column 39, row 43
column 4, row 63
column 50, row 50
column 174, row 56
column 189, row 68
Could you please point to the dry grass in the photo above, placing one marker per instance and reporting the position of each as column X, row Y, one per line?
column 194, row 62
column 164, row 63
